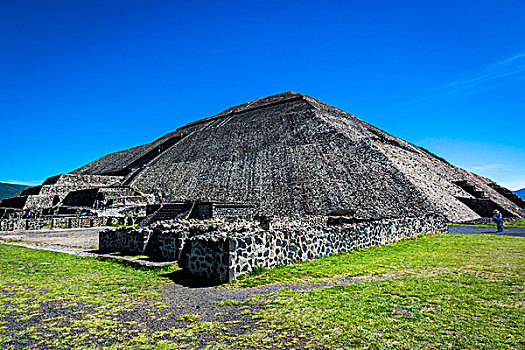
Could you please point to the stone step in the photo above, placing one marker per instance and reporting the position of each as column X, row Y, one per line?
column 470, row 188
column 139, row 164
column 166, row 211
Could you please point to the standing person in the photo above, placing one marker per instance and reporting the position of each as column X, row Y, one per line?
column 499, row 220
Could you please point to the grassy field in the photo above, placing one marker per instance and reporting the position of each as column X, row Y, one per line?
column 442, row 291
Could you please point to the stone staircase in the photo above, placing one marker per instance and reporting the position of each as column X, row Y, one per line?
column 166, row 211
column 471, row 189
column 480, row 204
column 137, row 165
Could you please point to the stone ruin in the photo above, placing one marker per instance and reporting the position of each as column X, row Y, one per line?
column 221, row 249
column 71, row 201
column 218, row 194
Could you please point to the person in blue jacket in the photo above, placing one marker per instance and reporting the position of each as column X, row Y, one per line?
column 499, row 220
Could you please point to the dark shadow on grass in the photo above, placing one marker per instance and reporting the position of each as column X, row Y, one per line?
column 136, row 264
column 185, row 279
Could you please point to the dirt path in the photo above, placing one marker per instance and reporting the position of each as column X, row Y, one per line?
column 78, row 241
column 508, row 231
column 86, row 238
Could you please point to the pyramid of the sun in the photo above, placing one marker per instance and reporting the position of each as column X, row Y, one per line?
column 291, row 154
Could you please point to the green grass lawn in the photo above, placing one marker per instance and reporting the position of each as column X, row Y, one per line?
column 435, row 292
column 453, row 291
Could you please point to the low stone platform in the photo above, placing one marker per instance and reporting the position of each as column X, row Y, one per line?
column 220, row 249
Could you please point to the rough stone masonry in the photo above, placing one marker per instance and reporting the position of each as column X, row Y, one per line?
column 222, row 249
column 290, row 154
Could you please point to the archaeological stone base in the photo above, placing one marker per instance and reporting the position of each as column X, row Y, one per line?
column 221, row 250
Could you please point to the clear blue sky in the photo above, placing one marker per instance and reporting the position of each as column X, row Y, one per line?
column 80, row 79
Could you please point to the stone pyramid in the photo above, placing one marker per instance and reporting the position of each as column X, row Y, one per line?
column 290, row 154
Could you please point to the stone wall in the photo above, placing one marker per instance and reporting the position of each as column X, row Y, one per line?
column 83, row 180
column 37, row 224
column 39, row 201
column 12, row 224
column 113, row 195
column 207, row 210
column 161, row 240
column 63, row 184
column 62, row 222
column 166, row 244
column 233, row 211
column 221, row 249
column 24, row 224
column 223, row 257
column 80, row 221
column 125, row 241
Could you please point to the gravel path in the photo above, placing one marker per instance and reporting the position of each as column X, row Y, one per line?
column 72, row 237
column 508, row 231
column 198, row 297
column 76, row 241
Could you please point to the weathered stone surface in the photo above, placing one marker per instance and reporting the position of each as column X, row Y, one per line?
column 126, row 241
column 55, row 189
column 222, row 249
column 290, row 154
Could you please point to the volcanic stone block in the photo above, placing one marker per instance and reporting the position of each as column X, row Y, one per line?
column 126, row 241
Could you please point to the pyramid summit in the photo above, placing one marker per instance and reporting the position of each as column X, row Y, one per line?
column 286, row 154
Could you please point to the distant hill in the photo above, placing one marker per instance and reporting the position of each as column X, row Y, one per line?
column 9, row 190
column 520, row 193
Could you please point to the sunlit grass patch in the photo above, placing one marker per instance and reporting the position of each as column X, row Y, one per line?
column 412, row 256
column 454, row 310
column 440, row 291
column 189, row 318
column 450, row 291
column 230, row 303
column 42, row 275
